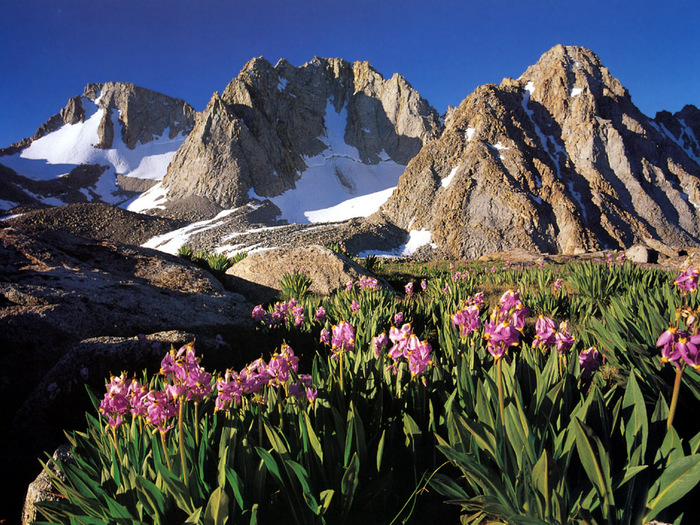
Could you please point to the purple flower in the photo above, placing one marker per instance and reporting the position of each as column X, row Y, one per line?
column 398, row 318
column 355, row 306
column 557, row 285
column 424, row 285
column 379, row 343
column 545, row 332
column 589, row 361
column 409, row 288
column 343, row 339
column 258, row 313
column 687, row 280
column 563, row 339
column 467, row 320
column 321, row 314
column 325, row 337
column 349, row 286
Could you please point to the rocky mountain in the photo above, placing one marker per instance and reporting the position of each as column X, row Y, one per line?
column 559, row 160
column 307, row 138
column 107, row 145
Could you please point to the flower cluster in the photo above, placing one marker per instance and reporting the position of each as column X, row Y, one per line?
column 289, row 311
column 503, row 328
column 679, row 347
column 687, row 280
column 549, row 334
column 342, row 339
column 368, row 283
column 408, row 346
column 188, row 380
column 185, row 380
column 278, row 371
column 467, row 319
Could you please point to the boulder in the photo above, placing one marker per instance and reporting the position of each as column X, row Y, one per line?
column 40, row 489
column 58, row 290
column 641, row 253
column 258, row 276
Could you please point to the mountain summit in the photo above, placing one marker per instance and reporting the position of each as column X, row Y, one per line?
column 559, row 160
column 105, row 144
column 286, row 132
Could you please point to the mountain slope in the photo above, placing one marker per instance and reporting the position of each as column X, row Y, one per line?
column 276, row 132
column 120, row 135
column 559, row 160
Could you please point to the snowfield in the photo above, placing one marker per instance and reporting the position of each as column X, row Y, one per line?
column 57, row 153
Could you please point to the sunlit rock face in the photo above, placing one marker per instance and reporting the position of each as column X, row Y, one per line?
column 328, row 131
column 559, row 160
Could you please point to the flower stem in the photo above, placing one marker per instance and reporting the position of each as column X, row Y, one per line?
column 165, row 450
column 501, row 403
column 196, row 423
column 181, row 439
column 341, row 371
column 674, row 399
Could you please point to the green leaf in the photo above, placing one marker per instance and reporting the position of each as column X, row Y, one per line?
column 676, row 481
column 216, row 512
column 446, row 486
column 589, row 460
column 380, row 451
column 236, row 484
column 636, row 423
column 303, row 478
column 313, row 438
column 348, row 484
column 270, row 464
column 326, row 498
column 194, row 516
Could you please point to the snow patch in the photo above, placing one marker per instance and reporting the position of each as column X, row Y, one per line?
column 59, row 152
column 7, row 205
column 336, row 184
column 172, row 241
column 445, row 183
column 282, row 85
column 576, row 91
column 470, row 133
column 416, row 239
column 530, row 86
column 153, row 198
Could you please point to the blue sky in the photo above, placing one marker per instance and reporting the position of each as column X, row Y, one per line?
column 49, row 49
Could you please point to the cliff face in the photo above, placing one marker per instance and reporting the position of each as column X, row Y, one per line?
column 260, row 133
column 558, row 160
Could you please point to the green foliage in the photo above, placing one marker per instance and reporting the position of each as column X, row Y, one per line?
column 562, row 447
column 295, row 284
column 212, row 262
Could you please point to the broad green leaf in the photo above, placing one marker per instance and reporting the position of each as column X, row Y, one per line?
column 677, row 480
column 592, row 466
column 216, row 512
column 348, row 485
column 313, row 438
column 236, row 484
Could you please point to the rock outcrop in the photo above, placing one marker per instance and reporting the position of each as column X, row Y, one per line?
column 260, row 133
column 258, row 275
column 57, row 292
column 557, row 161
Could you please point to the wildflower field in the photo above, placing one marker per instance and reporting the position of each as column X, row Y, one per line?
column 476, row 394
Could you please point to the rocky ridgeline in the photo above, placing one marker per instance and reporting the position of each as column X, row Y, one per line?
column 258, row 133
column 141, row 115
column 557, row 161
